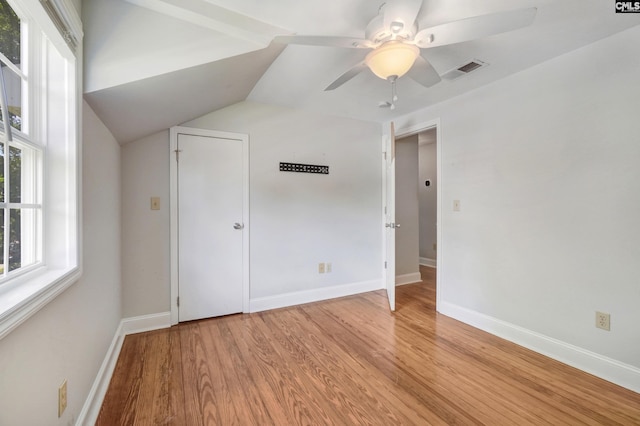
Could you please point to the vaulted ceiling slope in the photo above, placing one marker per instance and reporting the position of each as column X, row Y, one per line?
column 152, row 64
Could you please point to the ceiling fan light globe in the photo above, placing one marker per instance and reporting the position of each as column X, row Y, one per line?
column 392, row 59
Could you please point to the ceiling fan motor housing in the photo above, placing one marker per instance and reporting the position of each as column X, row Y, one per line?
column 377, row 33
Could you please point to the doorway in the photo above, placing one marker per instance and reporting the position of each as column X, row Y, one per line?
column 428, row 255
column 428, row 196
column 416, row 205
column 209, row 224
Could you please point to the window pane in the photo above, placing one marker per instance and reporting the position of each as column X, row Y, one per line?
column 10, row 46
column 14, row 239
column 9, row 33
column 13, row 86
column 2, row 241
column 30, row 231
column 2, row 173
column 15, row 175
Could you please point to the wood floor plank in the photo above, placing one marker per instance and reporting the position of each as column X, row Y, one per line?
column 284, row 385
column 351, row 361
column 380, row 394
column 224, row 392
column 264, row 402
column 353, row 401
column 249, row 402
column 371, row 345
column 198, row 378
column 172, row 373
column 122, row 393
column 297, row 378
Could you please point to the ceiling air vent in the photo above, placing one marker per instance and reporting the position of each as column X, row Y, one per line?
column 464, row 69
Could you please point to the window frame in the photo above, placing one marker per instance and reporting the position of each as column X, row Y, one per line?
column 54, row 122
column 32, row 167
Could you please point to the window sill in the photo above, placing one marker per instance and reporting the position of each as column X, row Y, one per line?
column 25, row 295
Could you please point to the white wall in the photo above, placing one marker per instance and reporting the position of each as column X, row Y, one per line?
column 296, row 220
column 546, row 165
column 407, row 209
column 145, row 232
column 428, row 195
column 68, row 338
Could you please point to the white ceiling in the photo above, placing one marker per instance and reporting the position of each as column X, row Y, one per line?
column 152, row 64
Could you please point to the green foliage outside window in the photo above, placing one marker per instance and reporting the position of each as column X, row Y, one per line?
column 15, row 166
column 9, row 33
column 10, row 47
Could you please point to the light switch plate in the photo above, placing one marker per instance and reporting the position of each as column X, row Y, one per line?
column 155, row 203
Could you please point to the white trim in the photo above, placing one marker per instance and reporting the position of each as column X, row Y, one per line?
column 173, row 224
column 173, row 192
column 146, row 323
column 246, row 279
column 315, row 295
column 430, row 263
column 606, row 368
column 408, row 278
column 29, row 293
column 91, row 408
column 71, row 17
column 54, row 119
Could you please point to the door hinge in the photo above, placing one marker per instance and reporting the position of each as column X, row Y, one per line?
column 178, row 301
column 385, row 155
column 385, row 209
column 178, row 151
column 385, row 265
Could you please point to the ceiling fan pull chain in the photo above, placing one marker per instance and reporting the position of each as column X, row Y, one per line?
column 394, row 96
column 394, row 90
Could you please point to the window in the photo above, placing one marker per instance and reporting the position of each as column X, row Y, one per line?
column 39, row 216
column 20, row 157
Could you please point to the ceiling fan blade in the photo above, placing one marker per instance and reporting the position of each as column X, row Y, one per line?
column 331, row 41
column 423, row 72
column 352, row 72
column 401, row 11
column 475, row 27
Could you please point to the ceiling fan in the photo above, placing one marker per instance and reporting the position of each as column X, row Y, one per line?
column 396, row 40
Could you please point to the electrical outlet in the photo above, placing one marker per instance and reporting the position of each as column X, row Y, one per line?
column 328, row 268
column 62, row 398
column 603, row 321
column 321, row 268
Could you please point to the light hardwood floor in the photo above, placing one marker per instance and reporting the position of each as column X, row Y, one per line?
column 350, row 361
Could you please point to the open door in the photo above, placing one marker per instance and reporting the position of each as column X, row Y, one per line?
column 390, row 225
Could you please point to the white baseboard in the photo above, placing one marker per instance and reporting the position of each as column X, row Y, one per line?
column 425, row 261
column 606, row 368
column 315, row 295
column 408, row 278
column 146, row 323
column 91, row 409
column 89, row 413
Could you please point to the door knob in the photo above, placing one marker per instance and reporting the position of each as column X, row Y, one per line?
column 238, row 226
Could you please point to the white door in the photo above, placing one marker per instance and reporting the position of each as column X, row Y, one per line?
column 210, row 226
column 390, row 216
